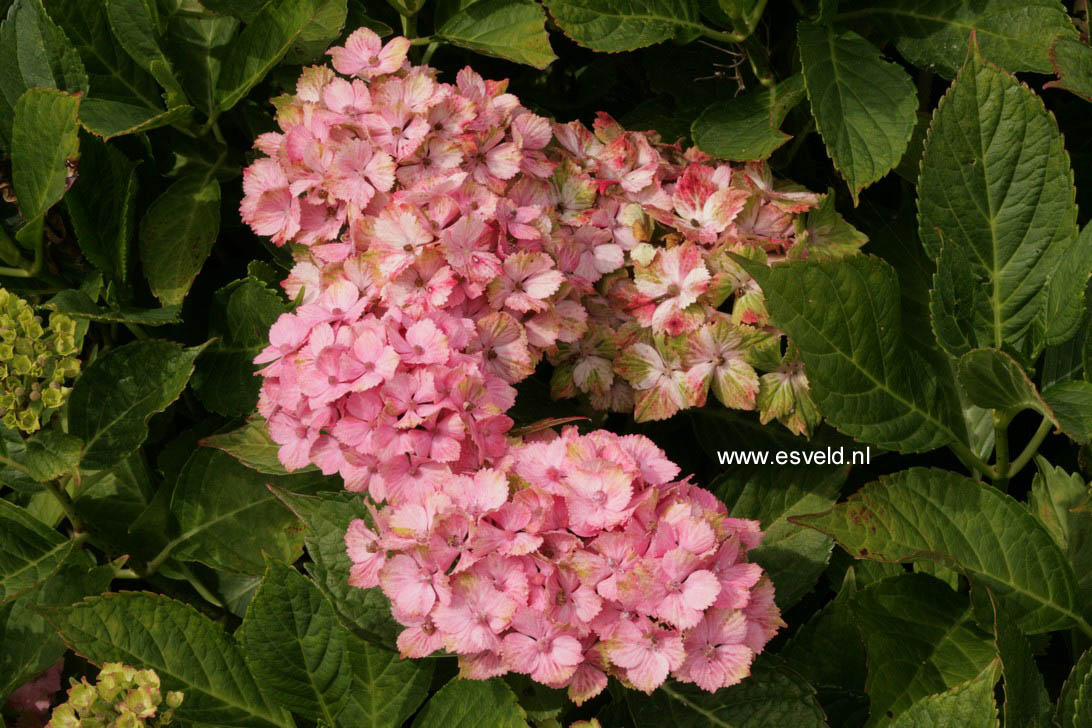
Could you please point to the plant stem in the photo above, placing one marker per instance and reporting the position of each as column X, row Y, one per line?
column 4, row 460
column 971, row 460
column 409, row 26
column 759, row 58
column 1031, row 448
column 69, row 508
column 200, row 588
column 428, row 53
column 1001, row 448
column 163, row 555
column 723, row 35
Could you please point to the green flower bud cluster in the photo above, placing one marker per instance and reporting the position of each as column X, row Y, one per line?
column 35, row 363
column 123, row 697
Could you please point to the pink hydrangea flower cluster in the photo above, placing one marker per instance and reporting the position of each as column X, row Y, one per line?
column 447, row 239
column 570, row 558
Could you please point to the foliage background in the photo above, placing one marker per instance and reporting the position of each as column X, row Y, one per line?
column 153, row 478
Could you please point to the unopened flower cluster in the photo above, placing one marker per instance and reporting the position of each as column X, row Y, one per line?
column 122, row 697
column 36, row 362
column 447, row 239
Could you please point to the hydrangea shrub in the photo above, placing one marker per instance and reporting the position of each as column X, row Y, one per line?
column 712, row 368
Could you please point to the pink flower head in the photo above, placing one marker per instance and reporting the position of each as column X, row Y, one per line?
column 538, row 648
column 365, row 55
column 647, row 653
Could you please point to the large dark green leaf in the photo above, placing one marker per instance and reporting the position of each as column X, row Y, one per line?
column 227, row 517
column 78, row 305
column 1027, row 704
column 113, row 75
column 771, row 695
column 197, row 46
column 34, row 53
column 243, row 311
column 28, row 645
column 365, row 611
column 114, row 397
column 792, row 555
column 993, row 380
column 921, row 639
column 511, row 29
column 135, row 29
column 936, row 515
column 865, row 107
column 968, row 705
column 100, row 205
column 251, row 445
column 109, row 119
column 747, row 127
column 844, row 318
column 294, row 645
column 1072, row 62
column 1071, row 403
column 1054, row 498
column 177, row 234
column 188, row 651
column 44, row 146
column 996, row 187
column 932, row 34
column 1075, row 703
column 472, row 703
column 261, row 46
column 625, row 25
column 30, row 551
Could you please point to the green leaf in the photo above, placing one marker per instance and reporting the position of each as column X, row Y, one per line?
column 261, row 46
column 792, row 555
column 1054, row 498
column 113, row 398
column 251, row 445
column 100, row 205
column 828, row 650
column 967, row 705
column 993, row 380
column 135, row 31
column 111, row 501
column 245, row 10
column 386, row 689
column 864, row 107
column 510, row 29
column 78, row 305
column 936, row 515
column 1062, row 316
column 44, row 147
column 932, row 34
column 1072, row 63
column 996, row 184
column 773, row 695
column 109, row 119
column 319, row 34
column 1027, row 704
column 188, row 651
column 746, row 128
column 34, row 53
column 366, row 612
column 921, row 639
column 243, row 311
column 28, row 646
column 51, row 453
column 825, row 235
column 197, row 46
column 466, row 703
column 625, row 25
column 1071, row 403
column 844, row 318
column 1075, row 703
column 294, row 645
column 112, row 73
column 177, row 234
column 227, row 517
column 30, row 551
